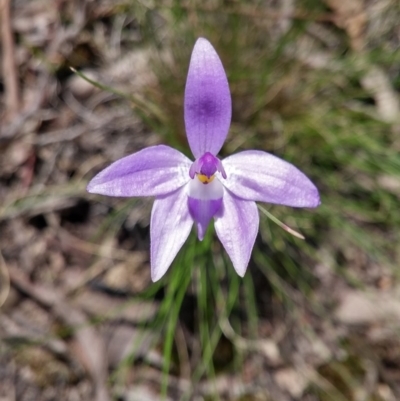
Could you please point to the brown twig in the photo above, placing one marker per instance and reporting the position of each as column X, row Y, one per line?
column 9, row 66
column 4, row 281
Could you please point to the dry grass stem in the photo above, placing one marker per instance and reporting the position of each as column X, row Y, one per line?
column 10, row 71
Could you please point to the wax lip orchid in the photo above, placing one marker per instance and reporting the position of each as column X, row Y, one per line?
column 189, row 192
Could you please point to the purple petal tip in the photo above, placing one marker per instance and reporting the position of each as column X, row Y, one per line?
column 207, row 100
column 153, row 171
column 259, row 176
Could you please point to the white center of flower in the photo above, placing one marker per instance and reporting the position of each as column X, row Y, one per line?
column 213, row 190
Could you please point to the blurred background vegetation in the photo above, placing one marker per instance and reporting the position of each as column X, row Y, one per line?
column 315, row 82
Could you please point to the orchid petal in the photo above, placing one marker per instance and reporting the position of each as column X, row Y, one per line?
column 208, row 106
column 204, row 202
column 153, row 171
column 236, row 225
column 202, row 212
column 170, row 226
column 259, row 176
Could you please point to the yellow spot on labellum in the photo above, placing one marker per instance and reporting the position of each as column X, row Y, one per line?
column 204, row 179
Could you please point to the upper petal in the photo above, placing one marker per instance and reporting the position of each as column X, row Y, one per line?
column 259, row 176
column 156, row 170
column 207, row 101
column 236, row 225
column 170, row 226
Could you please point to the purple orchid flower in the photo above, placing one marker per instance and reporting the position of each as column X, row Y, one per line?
column 189, row 192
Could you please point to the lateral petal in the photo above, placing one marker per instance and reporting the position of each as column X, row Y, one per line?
column 170, row 226
column 208, row 106
column 260, row 176
column 153, row 171
column 236, row 225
